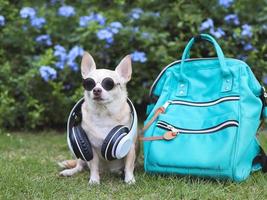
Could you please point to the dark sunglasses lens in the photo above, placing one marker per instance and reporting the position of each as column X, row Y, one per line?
column 88, row 84
column 108, row 84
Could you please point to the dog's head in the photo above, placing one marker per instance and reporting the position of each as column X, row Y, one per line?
column 102, row 85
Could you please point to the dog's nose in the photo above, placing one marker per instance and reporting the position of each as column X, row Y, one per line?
column 97, row 91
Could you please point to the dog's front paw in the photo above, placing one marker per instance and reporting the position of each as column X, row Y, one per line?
column 66, row 172
column 129, row 179
column 94, row 181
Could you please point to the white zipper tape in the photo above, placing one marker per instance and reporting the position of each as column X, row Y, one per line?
column 201, row 131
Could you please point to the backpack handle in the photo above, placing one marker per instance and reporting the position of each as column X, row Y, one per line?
column 227, row 77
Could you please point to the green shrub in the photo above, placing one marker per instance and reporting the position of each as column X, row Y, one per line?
column 42, row 43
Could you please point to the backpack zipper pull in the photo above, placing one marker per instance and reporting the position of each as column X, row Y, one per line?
column 165, row 105
column 160, row 110
column 169, row 135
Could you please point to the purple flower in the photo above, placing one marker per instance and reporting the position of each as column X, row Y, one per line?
column 99, row 18
column 38, row 22
column 109, row 41
column 73, row 65
column 59, row 50
column 246, row 31
column 136, row 13
column 226, row 3
column 249, row 47
column 60, row 53
column 75, row 52
column 60, row 64
column 66, row 11
column 265, row 80
column 84, row 20
column 105, row 34
column 67, row 58
column 218, row 33
column 27, row 12
column 2, row 20
column 232, row 18
column 115, row 27
column 139, row 56
column 48, row 73
column 44, row 39
column 206, row 24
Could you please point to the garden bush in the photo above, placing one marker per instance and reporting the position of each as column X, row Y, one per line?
column 42, row 43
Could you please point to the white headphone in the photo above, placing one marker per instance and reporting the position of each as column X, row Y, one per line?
column 116, row 145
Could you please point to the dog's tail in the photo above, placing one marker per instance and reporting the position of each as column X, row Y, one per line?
column 67, row 164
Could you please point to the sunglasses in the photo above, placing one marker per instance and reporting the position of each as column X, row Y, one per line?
column 107, row 83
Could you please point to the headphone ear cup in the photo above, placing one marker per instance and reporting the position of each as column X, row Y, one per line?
column 80, row 143
column 112, row 140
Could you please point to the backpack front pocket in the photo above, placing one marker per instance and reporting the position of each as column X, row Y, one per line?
column 198, row 144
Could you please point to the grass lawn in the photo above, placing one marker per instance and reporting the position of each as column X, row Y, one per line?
column 28, row 170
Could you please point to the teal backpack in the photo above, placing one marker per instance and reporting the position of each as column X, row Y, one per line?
column 203, row 118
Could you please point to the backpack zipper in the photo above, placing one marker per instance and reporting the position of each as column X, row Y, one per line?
column 200, row 104
column 169, row 127
column 163, row 108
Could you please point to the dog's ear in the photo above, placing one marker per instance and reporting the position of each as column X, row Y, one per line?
column 88, row 64
column 124, row 69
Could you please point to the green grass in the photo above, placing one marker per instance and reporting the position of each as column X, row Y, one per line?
column 28, row 170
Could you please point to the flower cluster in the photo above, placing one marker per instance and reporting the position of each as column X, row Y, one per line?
column 84, row 20
column 246, row 31
column 232, row 18
column 108, row 33
column 36, row 22
column 48, row 73
column 75, row 52
column 247, row 46
column 136, row 13
column 44, row 39
column 2, row 20
column 139, row 56
column 265, row 80
column 206, row 24
column 67, row 58
column 209, row 25
column 217, row 32
column 66, row 11
column 226, row 3
column 61, row 54
column 27, row 12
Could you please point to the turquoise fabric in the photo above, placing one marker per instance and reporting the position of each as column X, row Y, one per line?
column 199, row 90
